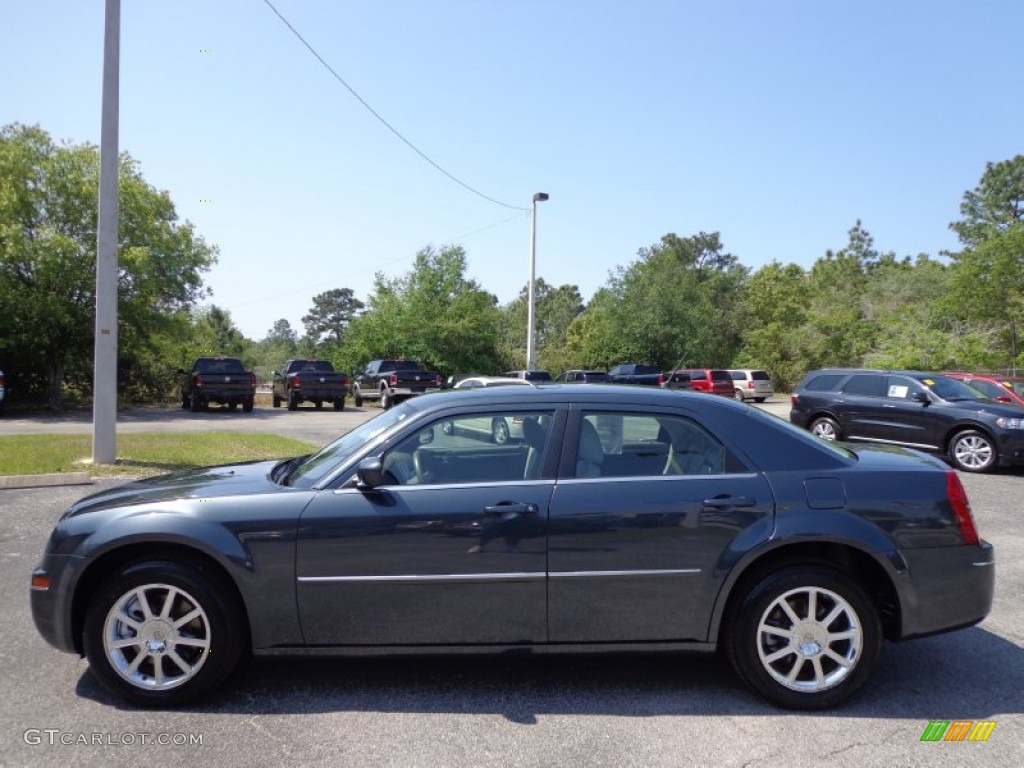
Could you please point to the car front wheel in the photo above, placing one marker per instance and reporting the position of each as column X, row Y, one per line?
column 499, row 431
column 163, row 633
column 973, row 451
column 805, row 637
column 825, row 428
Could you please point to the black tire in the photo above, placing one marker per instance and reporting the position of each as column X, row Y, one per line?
column 318, row 404
column 357, row 399
column 233, row 405
column 759, row 399
column 339, row 404
column 293, row 401
column 220, row 627
column 738, row 395
column 386, row 401
column 276, row 400
column 761, row 658
column 248, row 403
column 185, row 403
column 973, row 451
column 197, row 404
column 826, row 428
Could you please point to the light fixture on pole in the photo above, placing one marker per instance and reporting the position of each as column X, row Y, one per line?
column 531, row 300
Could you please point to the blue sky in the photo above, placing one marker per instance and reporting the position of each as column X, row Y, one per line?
column 777, row 124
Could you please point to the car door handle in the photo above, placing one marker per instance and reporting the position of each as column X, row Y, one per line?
column 511, row 509
column 728, row 502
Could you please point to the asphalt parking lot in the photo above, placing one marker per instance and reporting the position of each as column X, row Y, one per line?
column 663, row 710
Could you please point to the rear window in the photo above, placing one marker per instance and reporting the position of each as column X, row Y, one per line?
column 760, row 376
column 697, row 375
column 825, row 382
column 219, row 365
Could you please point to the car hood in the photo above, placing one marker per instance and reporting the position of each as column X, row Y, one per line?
column 208, row 482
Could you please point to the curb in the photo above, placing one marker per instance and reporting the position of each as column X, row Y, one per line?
column 42, row 481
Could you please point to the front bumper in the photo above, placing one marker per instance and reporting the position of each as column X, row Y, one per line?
column 946, row 588
column 51, row 608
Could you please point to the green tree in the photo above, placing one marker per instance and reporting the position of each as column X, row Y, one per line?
column 555, row 310
column 48, row 209
column 331, row 314
column 988, row 274
column 433, row 314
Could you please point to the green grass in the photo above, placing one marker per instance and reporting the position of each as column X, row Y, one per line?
column 142, row 454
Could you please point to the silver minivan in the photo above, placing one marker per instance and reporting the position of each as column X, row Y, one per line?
column 750, row 384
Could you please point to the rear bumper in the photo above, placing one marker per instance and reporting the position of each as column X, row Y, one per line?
column 320, row 393
column 946, row 588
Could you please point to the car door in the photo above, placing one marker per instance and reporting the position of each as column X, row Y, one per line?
column 451, row 549
column 647, row 505
column 912, row 419
column 859, row 406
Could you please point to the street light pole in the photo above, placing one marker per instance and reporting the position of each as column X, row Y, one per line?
column 531, row 308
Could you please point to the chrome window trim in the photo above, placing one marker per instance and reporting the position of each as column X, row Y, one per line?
column 892, row 442
column 656, row 478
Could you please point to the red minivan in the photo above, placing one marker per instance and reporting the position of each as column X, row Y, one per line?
column 713, row 380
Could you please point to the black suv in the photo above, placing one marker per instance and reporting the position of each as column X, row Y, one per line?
column 919, row 410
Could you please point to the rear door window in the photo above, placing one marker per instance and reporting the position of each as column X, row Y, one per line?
column 867, row 384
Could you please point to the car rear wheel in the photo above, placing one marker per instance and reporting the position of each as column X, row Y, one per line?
column 826, row 428
column 248, row 403
column 805, row 637
column 197, row 404
column 293, row 401
column 339, row 404
column 151, row 630
column 277, row 401
column 738, row 395
column 386, row 401
column 973, row 451
column 357, row 399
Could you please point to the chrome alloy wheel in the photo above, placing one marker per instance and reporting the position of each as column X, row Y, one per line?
column 156, row 636
column 809, row 639
column 825, row 429
column 973, row 451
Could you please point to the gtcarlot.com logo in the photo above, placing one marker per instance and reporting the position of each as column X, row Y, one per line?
column 56, row 737
column 958, row 730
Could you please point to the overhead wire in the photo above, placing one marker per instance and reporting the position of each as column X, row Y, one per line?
column 384, row 122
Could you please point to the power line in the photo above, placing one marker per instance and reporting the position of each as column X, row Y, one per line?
column 386, row 124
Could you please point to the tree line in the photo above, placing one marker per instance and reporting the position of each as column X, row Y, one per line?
column 684, row 301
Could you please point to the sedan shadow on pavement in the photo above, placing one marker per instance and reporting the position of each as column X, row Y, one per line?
column 969, row 675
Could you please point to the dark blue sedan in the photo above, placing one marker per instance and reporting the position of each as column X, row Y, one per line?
column 619, row 518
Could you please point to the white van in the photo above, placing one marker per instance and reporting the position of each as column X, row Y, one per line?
column 749, row 384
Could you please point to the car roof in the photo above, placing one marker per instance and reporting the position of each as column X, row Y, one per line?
column 491, row 381
column 623, row 395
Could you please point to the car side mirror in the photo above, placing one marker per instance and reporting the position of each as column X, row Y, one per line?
column 370, row 473
column 921, row 397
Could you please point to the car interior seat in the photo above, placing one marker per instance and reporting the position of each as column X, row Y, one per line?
column 535, row 435
column 590, row 453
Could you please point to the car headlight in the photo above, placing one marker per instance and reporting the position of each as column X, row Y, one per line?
column 1007, row 423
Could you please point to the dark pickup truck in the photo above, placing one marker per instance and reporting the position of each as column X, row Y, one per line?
column 221, row 380
column 392, row 380
column 310, row 381
column 636, row 373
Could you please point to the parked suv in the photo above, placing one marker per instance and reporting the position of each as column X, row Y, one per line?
column 1002, row 389
column 927, row 411
column 713, row 380
column 750, row 384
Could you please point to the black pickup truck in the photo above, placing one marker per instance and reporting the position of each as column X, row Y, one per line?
column 221, row 380
column 392, row 380
column 636, row 373
column 311, row 381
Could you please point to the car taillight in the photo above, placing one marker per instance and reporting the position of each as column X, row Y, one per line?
column 961, row 508
column 252, row 380
column 793, row 399
column 394, row 379
column 750, row 385
column 661, row 379
column 199, row 380
column 296, row 382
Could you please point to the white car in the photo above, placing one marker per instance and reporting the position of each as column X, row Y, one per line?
column 475, row 382
column 751, row 384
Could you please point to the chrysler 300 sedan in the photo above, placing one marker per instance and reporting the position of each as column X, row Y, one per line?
column 621, row 518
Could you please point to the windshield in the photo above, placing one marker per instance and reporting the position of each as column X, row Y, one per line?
column 951, row 389
column 317, row 466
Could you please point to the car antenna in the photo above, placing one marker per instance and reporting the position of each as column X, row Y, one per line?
column 671, row 374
